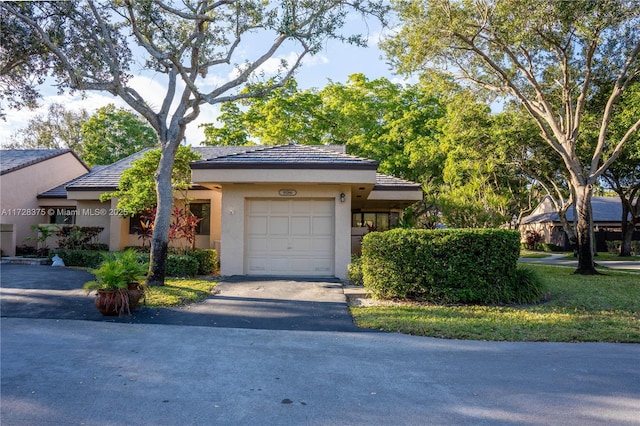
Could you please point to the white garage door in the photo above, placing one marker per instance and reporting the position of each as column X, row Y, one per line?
column 290, row 237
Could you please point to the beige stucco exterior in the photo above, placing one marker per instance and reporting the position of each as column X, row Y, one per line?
column 19, row 190
column 234, row 201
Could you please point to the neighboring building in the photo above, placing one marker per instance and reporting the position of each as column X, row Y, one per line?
column 607, row 222
column 279, row 210
column 23, row 175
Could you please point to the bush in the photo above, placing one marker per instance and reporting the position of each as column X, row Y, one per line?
column 207, row 260
column 548, row 247
column 84, row 258
column 529, row 287
column 445, row 266
column 181, row 265
column 354, row 271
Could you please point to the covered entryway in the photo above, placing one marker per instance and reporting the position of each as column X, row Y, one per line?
column 290, row 237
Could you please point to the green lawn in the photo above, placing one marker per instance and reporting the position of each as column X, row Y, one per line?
column 608, row 257
column 533, row 254
column 603, row 308
column 177, row 291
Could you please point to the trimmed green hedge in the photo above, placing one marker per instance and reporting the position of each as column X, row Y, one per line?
column 207, row 260
column 198, row 262
column 84, row 258
column 443, row 266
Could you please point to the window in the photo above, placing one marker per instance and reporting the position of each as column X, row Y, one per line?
column 379, row 221
column 202, row 211
column 63, row 216
column 137, row 221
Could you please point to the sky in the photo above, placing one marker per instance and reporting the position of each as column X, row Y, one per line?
column 336, row 62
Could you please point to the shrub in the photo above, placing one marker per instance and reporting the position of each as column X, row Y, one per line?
column 79, row 237
column 84, row 258
column 548, row 247
column 446, row 266
column 533, row 238
column 207, row 260
column 528, row 287
column 178, row 265
column 354, row 271
column 181, row 265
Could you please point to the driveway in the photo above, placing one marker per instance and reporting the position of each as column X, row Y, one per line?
column 274, row 304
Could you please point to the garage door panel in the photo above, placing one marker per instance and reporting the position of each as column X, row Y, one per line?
column 302, row 206
column 279, row 225
column 319, row 207
column 322, row 226
column 300, row 225
column 279, row 207
column 290, row 237
column 259, row 206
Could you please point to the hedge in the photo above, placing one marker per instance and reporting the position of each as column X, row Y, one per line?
column 198, row 262
column 84, row 258
column 443, row 266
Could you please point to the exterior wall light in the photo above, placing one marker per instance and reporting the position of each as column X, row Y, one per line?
column 342, row 197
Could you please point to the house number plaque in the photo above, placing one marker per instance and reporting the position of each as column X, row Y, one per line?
column 287, row 192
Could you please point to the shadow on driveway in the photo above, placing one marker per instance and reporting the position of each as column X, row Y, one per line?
column 274, row 304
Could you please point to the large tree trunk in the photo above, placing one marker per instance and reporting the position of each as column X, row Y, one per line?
column 160, row 239
column 628, row 227
column 586, row 266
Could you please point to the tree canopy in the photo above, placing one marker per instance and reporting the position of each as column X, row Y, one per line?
column 549, row 56
column 111, row 134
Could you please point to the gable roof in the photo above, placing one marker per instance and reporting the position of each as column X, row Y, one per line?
column 16, row 159
column 605, row 209
column 288, row 157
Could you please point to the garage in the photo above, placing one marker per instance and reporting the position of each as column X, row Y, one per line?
column 290, row 237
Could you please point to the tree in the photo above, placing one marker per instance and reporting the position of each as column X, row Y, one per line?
column 86, row 46
column 136, row 191
column 59, row 129
column 111, row 134
column 623, row 177
column 545, row 55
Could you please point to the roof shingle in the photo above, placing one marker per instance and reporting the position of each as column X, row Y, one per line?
column 15, row 159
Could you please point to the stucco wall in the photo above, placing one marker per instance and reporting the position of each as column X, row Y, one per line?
column 19, row 189
column 234, row 201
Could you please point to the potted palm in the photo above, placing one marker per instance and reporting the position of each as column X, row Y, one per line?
column 117, row 283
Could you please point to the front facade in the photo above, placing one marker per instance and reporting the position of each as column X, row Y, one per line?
column 290, row 210
column 24, row 175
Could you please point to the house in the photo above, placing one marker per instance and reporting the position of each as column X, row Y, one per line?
column 294, row 210
column 23, row 175
column 607, row 222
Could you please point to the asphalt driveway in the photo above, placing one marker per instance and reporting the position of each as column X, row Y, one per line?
column 45, row 292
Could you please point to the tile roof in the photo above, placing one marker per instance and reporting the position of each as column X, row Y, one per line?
column 287, row 157
column 605, row 209
column 392, row 183
column 107, row 177
column 15, row 159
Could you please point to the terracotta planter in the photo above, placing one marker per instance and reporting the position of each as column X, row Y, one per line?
column 136, row 292
column 113, row 302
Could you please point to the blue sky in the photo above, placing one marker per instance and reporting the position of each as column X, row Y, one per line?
column 336, row 62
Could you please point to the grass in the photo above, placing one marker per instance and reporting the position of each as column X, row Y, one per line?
column 612, row 257
column 602, row 308
column 177, row 291
column 533, row 254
